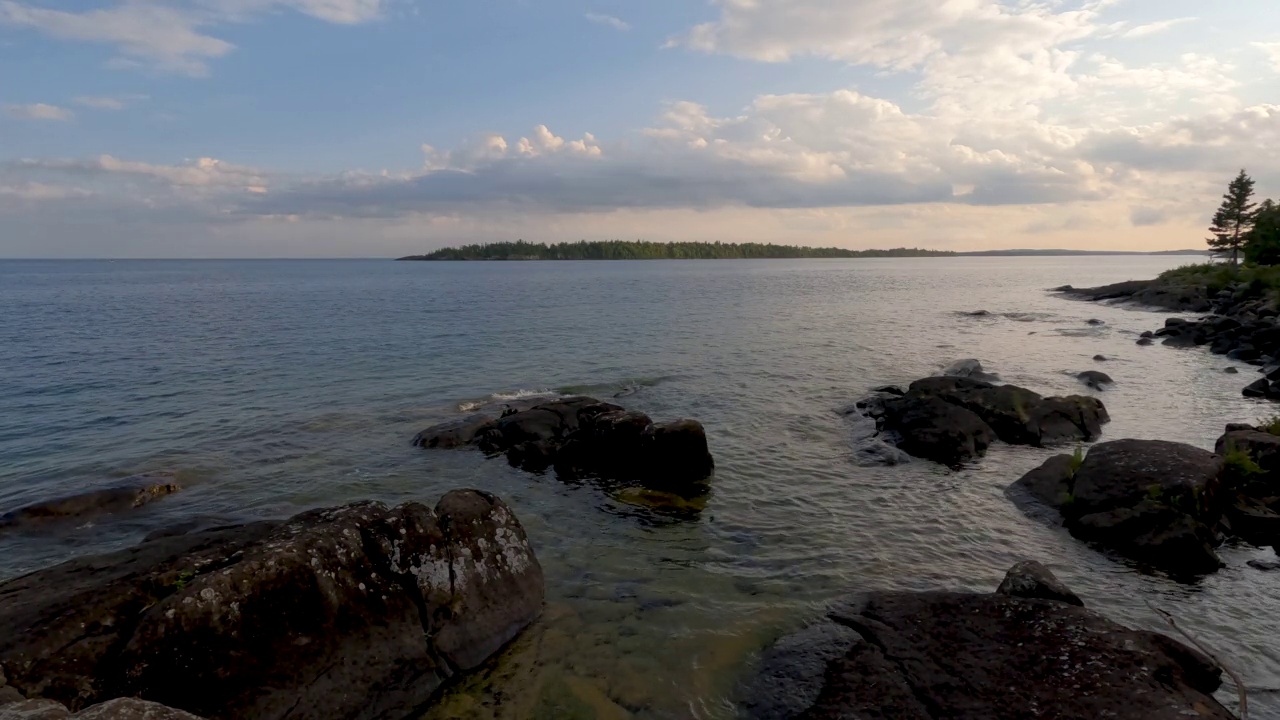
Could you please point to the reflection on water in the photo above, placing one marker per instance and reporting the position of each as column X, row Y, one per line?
column 277, row 386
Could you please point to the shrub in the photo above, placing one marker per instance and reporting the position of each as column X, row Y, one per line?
column 1270, row 425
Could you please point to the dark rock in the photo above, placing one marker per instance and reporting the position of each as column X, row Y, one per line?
column 969, row 368
column 1265, row 564
column 1145, row 341
column 1175, row 322
column 1017, row 415
column 934, row 429
column 1147, row 334
column 968, row 656
column 360, row 611
column 132, row 492
column 1064, row 419
column 455, row 434
column 1257, row 388
column 1253, row 522
column 1231, row 371
column 889, row 390
column 1262, row 447
column 1094, row 379
column 1095, row 321
column 583, row 437
column 1030, row 579
column 1244, row 353
column 876, row 453
column 1149, row 500
column 1183, row 341
column 1100, row 358
column 977, row 313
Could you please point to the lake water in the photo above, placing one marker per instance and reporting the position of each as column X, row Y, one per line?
column 275, row 386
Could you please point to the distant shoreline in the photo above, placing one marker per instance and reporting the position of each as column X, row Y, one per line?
column 525, row 252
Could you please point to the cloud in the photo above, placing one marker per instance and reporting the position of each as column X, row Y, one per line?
column 1272, row 51
column 118, row 102
column 174, row 37
column 34, row 191
column 609, row 20
column 39, row 111
column 1156, row 27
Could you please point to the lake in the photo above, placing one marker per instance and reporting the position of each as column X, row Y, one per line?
column 276, row 386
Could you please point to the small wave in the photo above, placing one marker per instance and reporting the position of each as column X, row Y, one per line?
column 503, row 397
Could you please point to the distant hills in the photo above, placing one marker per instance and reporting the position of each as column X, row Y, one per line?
column 642, row 250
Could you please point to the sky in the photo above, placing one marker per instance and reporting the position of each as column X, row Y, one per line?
column 375, row 128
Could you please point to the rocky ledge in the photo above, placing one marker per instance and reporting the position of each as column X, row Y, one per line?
column 1028, row 650
column 1179, row 297
column 360, row 611
column 951, row 419
column 1165, row 504
column 584, row 437
column 126, row 494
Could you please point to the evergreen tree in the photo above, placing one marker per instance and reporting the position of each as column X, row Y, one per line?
column 1234, row 219
column 1263, row 245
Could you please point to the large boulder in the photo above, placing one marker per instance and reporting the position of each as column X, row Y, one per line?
column 584, row 437
column 131, row 492
column 118, row 709
column 972, row 656
column 360, row 611
column 934, row 429
column 1030, row 579
column 1150, row 500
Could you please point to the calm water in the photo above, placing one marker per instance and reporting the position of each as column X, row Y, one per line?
column 274, row 386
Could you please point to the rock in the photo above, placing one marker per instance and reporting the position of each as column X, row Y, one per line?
column 132, row 709
column 132, row 492
column 1100, row 358
column 1175, row 322
column 1147, row 335
column 1263, row 448
column 876, row 453
column 1095, row 321
column 934, row 429
column 1231, row 371
column 1253, row 522
column 357, row 611
column 1017, row 415
column 889, row 390
column 34, row 710
column 1122, row 473
column 1264, row 564
column 1030, row 579
column 1145, row 341
column 977, row 313
column 1065, row 419
column 583, row 437
column 970, row 368
column 971, row 656
column 1095, row 380
column 1258, row 388
column 1149, row 500
column 455, row 434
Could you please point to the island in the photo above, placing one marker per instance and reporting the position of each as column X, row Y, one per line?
column 644, row 250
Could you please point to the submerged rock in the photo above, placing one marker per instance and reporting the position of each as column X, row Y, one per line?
column 969, row 368
column 973, row 656
column 1149, row 500
column 131, row 492
column 582, row 436
column 1030, row 579
column 1095, row 380
column 360, row 611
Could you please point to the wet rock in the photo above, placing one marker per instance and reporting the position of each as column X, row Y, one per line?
column 458, row 433
column 889, row 390
column 583, row 437
column 1145, row 341
column 1095, row 380
column 977, row 313
column 1095, row 322
column 969, row 368
column 934, row 429
column 360, row 611
column 971, row 656
column 1252, row 521
column 876, row 453
column 1017, row 415
column 1231, row 371
column 1030, row 579
column 1149, row 500
column 1100, row 358
column 129, row 493
column 1267, row 565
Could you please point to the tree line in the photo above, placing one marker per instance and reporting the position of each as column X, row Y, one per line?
column 643, row 250
column 1243, row 227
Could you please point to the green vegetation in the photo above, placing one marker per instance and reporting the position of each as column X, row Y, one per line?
column 1239, row 464
column 1077, row 459
column 641, row 250
column 1270, row 424
column 184, row 578
column 1259, row 280
column 1234, row 219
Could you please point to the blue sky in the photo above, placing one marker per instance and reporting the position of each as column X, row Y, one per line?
column 206, row 128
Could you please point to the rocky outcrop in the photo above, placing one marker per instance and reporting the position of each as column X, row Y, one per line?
column 1153, row 501
column 118, row 709
column 129, row 493
column 360, row 611
column 973, row 656
column 954, row 419
column 1095, row 380
column 1251, row 484
column 1179, row 297
column 1030, row 579
column 584, row 437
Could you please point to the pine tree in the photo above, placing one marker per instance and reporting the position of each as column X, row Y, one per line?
column 1234, row 219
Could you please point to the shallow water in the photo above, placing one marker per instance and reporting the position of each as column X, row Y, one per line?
column 274, row 386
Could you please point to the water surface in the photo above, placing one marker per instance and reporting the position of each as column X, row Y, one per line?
column 275, row 386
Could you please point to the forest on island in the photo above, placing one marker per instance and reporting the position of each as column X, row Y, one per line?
column 642, row 250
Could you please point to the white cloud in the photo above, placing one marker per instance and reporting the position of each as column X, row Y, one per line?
column 101, row 102
column 35, row 191
column 171, row 37
column 1272, row 51
column 39, row 111
column 1156, row 27
column 609, row 20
